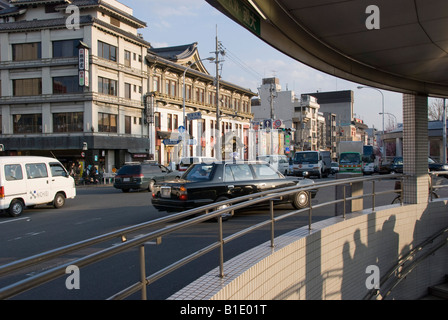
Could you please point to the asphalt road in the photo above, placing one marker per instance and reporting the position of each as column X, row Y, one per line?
column 102, row 209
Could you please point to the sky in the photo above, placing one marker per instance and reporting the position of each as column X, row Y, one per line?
column 248, row 59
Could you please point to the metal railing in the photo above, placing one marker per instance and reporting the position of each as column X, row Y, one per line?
column 206, row 213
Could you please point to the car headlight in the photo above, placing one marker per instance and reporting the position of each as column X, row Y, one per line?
column 445, row 167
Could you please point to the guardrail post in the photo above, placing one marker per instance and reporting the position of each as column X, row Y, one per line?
column 221, row 248
column 373, row 196
column 401, row 191
column 143, row 271
column 310, row 212
column 345, row 200
column 271, row 207
column 431, row 189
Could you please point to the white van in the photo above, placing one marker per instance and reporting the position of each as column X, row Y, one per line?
column 279, row 162
column 29, row 181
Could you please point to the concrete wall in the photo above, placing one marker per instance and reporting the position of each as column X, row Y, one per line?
column 330, row 261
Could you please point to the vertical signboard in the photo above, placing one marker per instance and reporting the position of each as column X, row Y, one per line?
column 83, row 64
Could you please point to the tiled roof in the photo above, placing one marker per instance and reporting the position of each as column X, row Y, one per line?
column 175, row 53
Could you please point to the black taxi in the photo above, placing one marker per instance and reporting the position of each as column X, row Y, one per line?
column 206, row 183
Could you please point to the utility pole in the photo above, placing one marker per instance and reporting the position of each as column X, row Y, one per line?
column 218, row 150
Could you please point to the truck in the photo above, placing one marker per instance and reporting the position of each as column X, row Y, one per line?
column 350, row 156
column 312, row 163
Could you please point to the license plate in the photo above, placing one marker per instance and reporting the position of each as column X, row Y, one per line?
column 165, row 192
column 126, row 179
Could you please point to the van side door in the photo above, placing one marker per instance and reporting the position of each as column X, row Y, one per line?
column 38, row 184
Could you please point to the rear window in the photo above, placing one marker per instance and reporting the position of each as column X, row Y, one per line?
column 263, row 171
column 13, row 172
column 129, row 170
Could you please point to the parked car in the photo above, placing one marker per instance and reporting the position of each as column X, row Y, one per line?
column 184, row 163
column 277, row 161
column 206, row 183
column 142, row 176
column 396, row 166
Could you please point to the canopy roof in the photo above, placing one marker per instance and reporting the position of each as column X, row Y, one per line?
column 399, row 45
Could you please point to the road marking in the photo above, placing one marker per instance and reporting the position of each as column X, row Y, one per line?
column 16, row 219
column 27, row 235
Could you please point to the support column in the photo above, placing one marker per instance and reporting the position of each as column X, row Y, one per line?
column 415, row 148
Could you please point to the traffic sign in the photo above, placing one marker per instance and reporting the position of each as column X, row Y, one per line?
column 277, row 123
column 194, row 116
column 267, row 123
column 181, row 129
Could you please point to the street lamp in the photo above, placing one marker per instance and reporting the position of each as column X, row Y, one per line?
column 390, row 114
column 184, row 151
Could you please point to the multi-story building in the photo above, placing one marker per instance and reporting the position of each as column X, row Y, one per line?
column 75, row 78
column 306, row 122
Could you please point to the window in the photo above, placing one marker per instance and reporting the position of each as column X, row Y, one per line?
column 188, row 92
column 107, row 122
column 171, row 88
column 68, row 84
column 27, row 87
column 127, row 58
column 169, row 121
column 240, row 172
column 26, row 51
column 107, row 51
column 36, row 170
column 27, row 123
column 127, row 90
column 68, row 122
column 157, row 120
column 156, row 84
column 127, row 124
column 65, row 48
column 114, row 22
column 57, row 170
column 175, row 121
column 107, row 86
column 13, row 172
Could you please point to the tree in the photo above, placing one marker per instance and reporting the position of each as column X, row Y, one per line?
column 435, row 110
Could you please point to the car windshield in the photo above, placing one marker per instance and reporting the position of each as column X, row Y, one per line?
column 349, row 158
column 431, row 160
column 306, row 157
column 200, row 172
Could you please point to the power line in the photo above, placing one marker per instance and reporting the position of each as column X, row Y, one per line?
column 234, row 58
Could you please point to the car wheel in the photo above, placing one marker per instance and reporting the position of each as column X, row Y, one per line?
column 125, row 190
column 225, row 216
column 301, row 200
column 151, row 185
column 15, row 208
column 59, row 200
